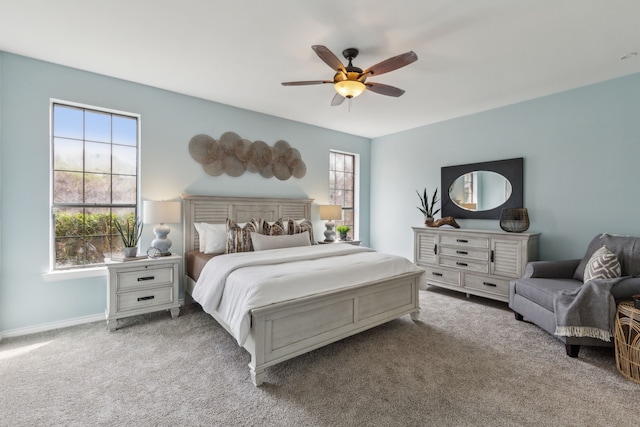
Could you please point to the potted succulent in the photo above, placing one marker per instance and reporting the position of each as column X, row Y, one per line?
column 427, row 208
column 130, row 236
column 343, row 230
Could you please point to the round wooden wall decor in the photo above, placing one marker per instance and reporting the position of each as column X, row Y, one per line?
column 234, row 156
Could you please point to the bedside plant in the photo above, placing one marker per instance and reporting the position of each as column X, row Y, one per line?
column 130, row 236
column 426, row 208
column 343, row 230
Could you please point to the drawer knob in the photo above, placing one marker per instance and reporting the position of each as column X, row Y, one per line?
column 143, row 279
column 463, row 264
column 146, row 298
column 436, row 274
column 462, row 252
column 462, row 241
column 493, row 285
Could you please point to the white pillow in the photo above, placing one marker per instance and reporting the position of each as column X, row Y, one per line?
column 201, row 237
column 216, row 239
column 263, row 243
column 211, row 237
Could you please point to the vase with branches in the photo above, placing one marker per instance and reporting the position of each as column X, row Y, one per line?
column 427, row 207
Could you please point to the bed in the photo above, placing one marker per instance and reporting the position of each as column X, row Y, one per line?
column 296, row 324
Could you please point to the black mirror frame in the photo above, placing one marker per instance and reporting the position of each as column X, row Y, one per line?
column 512, row 169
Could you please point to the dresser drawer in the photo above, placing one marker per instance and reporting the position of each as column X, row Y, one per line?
column 144, row 277
column 486, row 284
column 464, row 241
column 466, row 253
column 144, row 298
column 467, row 265
column 441, row 275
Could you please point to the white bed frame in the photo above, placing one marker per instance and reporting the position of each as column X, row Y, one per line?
column 288, row 329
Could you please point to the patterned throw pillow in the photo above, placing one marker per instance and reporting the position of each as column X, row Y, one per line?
column 239, row 236
column 300, row 226
column 603, row 264
column 275, row 228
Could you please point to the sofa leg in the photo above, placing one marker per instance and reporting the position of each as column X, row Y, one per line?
column 518, row 316
column 572, row 350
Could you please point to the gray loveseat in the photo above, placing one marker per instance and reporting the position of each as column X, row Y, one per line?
column 532, row 296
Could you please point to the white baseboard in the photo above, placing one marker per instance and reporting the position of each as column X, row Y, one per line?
column 50, row 326
column 57, row 325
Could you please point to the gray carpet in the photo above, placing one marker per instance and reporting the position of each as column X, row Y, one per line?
column 467, row 362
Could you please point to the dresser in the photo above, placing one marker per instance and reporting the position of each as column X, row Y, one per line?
column 476, row 262
column 142, row 286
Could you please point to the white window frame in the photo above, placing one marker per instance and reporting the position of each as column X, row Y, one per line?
column 89, row 270
column 356, row 189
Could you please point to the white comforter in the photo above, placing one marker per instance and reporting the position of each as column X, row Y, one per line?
column 233, row 284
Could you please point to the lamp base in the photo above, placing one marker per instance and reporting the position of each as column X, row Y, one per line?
column 329, row 233
column 161, row 241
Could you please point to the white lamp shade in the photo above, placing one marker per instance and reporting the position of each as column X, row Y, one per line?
column 330, row 212
column 161, row 212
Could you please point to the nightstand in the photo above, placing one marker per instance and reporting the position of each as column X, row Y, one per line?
column 142, row 286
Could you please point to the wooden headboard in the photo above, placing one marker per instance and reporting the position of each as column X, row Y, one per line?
column 216, row 209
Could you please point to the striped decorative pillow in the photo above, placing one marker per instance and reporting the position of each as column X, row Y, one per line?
column 603, row 264
column 275, row 228
column 239, row 236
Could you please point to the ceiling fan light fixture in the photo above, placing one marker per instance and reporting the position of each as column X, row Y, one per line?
column 350, row 88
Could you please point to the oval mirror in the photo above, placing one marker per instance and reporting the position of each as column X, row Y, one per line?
column 479, row 191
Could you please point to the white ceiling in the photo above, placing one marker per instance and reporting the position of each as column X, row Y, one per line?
column 472, row 55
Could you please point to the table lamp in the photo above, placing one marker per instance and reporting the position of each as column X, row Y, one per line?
column 161, row 213
column 330, row 213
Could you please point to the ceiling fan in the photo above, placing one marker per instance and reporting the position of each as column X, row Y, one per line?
column 351, row 81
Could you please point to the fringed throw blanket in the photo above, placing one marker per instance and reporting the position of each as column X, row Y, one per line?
column 587, row 311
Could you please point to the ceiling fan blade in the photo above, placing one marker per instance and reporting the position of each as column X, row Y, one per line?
column 308, row 82
column 329, row 58
column 391, row 64
column 337, row 100
column 384, row 89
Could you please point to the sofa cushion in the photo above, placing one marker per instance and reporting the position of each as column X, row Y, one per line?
column 626, row 248
column 541, row 291
column 603, row 264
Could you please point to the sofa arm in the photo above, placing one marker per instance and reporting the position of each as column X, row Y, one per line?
column 551, row 269
column 626, row 288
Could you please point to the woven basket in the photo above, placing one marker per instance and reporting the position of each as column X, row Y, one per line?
column 627, row 341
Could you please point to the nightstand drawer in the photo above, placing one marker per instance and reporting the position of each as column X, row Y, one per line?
column 147, row 277
column 144, row 298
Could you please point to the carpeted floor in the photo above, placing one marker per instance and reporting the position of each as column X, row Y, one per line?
column 466, row 362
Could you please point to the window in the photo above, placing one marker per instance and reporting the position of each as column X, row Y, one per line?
column 94, row 182
column 343, row 186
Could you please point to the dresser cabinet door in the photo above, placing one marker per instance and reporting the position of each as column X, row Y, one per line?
column 425, row 248
column 506, row 257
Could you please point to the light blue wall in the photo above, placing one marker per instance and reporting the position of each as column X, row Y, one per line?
column 581, row 152
column 168, row 121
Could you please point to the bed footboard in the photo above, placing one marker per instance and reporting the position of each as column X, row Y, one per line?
column 285, row 330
